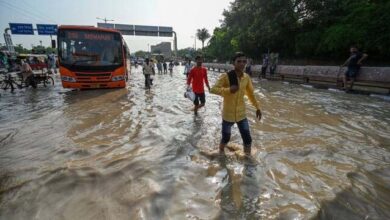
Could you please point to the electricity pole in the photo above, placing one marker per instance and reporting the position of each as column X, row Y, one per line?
column 104, row 19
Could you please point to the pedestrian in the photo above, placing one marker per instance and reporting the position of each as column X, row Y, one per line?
column 187, row 68
column 354, row 62
column 197, row 77
column 274, row 59
column 165, row 67
column 248, row 68
column 232, row 86
column 171, row 67
column 159, row 67
column 264, row 65
column 148, row 70
column 52, row 62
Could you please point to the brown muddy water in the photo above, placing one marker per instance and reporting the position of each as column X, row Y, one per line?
column 134, row 154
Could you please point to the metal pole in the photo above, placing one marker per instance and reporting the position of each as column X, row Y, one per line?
column 175, row 42
column 104, row 19
column 195, row 41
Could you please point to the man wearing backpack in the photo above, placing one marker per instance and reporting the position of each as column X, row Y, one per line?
column 232, row 86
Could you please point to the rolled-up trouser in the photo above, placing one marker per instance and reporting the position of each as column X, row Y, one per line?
column 243, row 127
column 147, row 80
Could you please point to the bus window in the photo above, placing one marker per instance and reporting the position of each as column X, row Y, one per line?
column 90, row 48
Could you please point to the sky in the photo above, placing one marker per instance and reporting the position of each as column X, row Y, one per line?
column 183, row 15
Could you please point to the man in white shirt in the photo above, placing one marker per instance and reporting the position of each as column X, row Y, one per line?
column 148, row 69
column 187, row 68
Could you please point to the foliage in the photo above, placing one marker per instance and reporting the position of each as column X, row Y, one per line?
column 303, row 28
column 142, row 54
column 202, row 35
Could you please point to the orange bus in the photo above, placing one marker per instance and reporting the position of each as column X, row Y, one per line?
column 91, row 57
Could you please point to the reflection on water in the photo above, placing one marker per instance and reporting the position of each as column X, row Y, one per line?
column 138, row 154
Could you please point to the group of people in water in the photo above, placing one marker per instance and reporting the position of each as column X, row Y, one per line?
column 233, row 86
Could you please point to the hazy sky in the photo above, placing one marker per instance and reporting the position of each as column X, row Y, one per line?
column 183, row 15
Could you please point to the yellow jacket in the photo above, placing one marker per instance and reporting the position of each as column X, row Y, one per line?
column 233, row 104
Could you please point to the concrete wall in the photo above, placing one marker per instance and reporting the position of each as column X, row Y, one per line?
column 378, row 77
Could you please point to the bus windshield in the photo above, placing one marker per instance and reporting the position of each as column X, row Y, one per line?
column 89, row 48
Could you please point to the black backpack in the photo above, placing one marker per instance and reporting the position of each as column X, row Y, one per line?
column 233, row 78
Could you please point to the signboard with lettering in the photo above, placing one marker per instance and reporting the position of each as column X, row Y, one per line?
column 127, row 27
column 165, row 31
column 89, row 35
column 105, row 25
column 47, row 29
column 141, row 30
column 21, row 28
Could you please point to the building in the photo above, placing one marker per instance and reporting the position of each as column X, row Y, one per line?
column 163, row 48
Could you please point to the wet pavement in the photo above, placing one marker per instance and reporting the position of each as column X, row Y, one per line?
column 138, row 154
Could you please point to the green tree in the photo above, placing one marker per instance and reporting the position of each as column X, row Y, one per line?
column 322, row 29
column 20, row 49
column 202, row 35
column 186, row 53
column 221, row 45
column 141, row 53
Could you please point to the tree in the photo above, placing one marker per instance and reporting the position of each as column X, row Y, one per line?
column 186, row 53
column 202, row 35
column 314, row 29
column 141, row 53
column 20, row 49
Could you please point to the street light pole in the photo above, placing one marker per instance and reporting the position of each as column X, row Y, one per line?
column 104, row 19
column 194, row 41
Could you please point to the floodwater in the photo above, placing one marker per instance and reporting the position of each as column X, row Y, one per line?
column 137, row 154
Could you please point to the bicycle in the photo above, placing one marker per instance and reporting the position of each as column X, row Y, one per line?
column 9, row 82
column 45, row 78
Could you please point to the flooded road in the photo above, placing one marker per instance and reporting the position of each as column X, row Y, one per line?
column 134, row 154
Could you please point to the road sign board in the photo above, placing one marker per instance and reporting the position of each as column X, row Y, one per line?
column 165, row 34
column 142, row 30
column 165, row 31
column 105, row 25
column 126, row 27
column 47, row 29
column 139, row 30
column 146, row 28
column 21, row 28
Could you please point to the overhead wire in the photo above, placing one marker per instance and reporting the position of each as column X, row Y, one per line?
column 25, row 12
column 22, row 13
column 39, row 11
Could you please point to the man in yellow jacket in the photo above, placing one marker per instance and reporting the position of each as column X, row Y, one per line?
column 232, row 86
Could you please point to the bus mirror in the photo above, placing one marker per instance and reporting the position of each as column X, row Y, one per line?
column 53, row 43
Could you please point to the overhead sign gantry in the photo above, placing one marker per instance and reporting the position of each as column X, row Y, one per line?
column 142, row 30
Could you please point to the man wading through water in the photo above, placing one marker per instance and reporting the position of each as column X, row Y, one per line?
column 148, row 69
column 232, row 86
column 198, row 76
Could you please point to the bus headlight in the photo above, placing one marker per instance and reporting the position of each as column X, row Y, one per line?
column 68, row 79
column 117, row 78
